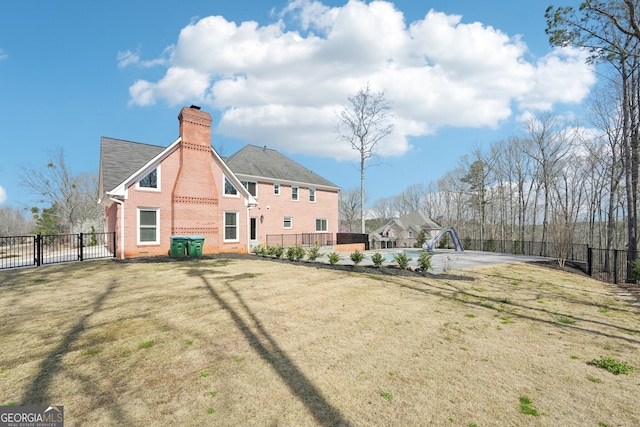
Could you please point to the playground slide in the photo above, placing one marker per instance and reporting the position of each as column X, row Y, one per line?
column 429, row 245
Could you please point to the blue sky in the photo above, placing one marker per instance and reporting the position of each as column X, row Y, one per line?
column 459, row 74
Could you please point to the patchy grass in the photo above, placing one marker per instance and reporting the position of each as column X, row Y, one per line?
column 210, row 340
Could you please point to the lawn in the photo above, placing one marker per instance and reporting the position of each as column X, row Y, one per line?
column 216, row 341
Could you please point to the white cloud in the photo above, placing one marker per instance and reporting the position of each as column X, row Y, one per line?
column 3, row 55
column 282, row 87
column 3, row 195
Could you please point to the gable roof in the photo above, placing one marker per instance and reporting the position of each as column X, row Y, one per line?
column 119, row 159
column 413, row 219
column 418, row 219
column 261, row 162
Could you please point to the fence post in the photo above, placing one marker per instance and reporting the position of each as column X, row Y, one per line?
column 114, row 244
column 615, row 267
column 36, row 249
column 589, row 261
column 80, row 245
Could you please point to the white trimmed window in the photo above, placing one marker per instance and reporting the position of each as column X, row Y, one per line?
column 276, row 189
column 294, row 193
column 288, row 222
column 229, row 189
column 312, row 195
column 231, row 227
column 151, row 181
column 322, row 225
column 148, row 220
column 252, row 187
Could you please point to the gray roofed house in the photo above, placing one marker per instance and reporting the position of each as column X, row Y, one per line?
column 151, row 195
column 403, row 231
column 262, row 162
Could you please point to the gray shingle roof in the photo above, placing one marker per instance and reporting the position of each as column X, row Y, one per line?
column 119, row 159
column 263, row 162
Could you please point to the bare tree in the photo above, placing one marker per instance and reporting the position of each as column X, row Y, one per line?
column 610, row 31
column 363, row 124
column 349, row 206
column 552, row 142
column 14, row 222
column 55, row 185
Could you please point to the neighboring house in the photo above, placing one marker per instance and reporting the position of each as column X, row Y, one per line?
column 151, row 193
column 402, row 232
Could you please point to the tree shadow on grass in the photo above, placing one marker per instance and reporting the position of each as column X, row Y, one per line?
column 38, row 391
column 266, row 347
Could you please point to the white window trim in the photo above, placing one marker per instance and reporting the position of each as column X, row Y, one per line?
column 138, row 226
column 290, row 223
column 326, row 221
column 224, row 188
column 158, row 181
column 276, row 192
column 246, row 185
column 297, row 199
column 224, row 226
column 315, row 195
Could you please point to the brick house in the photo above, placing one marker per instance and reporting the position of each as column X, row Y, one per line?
column 150, row 193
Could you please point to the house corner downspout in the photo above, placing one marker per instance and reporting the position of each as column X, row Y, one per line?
column 121, row 203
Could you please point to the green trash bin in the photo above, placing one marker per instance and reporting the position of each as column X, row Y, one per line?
column 178, row 246
column 194, row 247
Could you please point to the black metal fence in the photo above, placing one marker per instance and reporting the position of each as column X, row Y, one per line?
column 320, row 239
column 575, row 252
column 611, row 266
column 36, row 250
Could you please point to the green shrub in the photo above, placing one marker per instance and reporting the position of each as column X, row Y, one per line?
column 277, row 251
column 93, row 239
column 299, row 252
column 260, row 250
column 402, row 260
column 635, row 272
column 421, row 239
column 377, row 259
column 334, row 257
column 295, row 252
column 424, row 261
column 466, row 243
column 356, row 257
column 313, row 252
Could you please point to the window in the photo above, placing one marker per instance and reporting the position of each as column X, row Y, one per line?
column 294, row 193
column 321, row 225
column 312, row 195
column 231, row 227
column 288, row 222
column 410, row 234
column 148, row 220
column 229, row 189
column 251, row 186
column 150, row 181
column 276, row 189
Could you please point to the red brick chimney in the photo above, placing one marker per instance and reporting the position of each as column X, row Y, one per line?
column 194, row 194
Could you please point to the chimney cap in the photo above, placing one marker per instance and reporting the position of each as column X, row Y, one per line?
column 195, row 107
